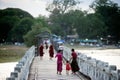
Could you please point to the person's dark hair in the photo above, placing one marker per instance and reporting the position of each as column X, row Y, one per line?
column 59, row 51
column 67, row 61
column 72, row 49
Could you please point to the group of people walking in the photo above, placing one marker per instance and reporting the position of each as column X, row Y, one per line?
column 51, row 50
column 70, row 65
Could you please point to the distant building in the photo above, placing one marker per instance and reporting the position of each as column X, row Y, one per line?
column 72, row 36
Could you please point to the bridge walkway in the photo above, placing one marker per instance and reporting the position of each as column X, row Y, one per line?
column 45, row 69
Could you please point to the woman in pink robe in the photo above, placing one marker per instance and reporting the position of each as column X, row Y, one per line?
column 59, row 61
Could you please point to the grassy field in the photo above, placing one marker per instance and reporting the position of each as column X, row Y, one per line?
column 11, row 53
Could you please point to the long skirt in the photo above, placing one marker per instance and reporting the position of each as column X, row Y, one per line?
column 74, row 65
column 41, row 54
column 59, row 66
column 51, row 53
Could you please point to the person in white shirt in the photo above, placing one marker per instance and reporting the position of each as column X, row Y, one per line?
column 61, row 47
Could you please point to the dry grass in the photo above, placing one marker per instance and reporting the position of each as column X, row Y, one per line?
column 11, row 53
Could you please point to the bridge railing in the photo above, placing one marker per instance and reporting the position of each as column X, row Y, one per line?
column 21, row 70
column 95, row 69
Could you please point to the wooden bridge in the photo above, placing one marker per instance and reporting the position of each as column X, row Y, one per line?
column 31, row 67
column 45, row 69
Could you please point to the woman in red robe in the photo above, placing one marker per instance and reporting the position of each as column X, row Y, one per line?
column 51, row 51
column 41, row 51
column 74, row 64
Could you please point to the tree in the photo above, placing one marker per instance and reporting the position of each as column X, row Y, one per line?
column 39, row 26
column 55, row 21
column 58, row 8
column 6, row 24
column 99, row 3
column 96, row 26
column 71, row 20
column 62, row 5
column 17, row 32
column 85, row 25
column 29, row 38
column 9, row 18
column 110, row 13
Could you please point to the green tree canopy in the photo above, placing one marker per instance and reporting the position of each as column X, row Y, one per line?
column 39, row 26
column 17, row 32
column 62, row 5
column 9, row 18
column 110, row 13
column 58, row 16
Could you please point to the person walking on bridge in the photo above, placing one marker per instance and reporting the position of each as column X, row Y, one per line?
column 41, row 51
column 51, row 51
column 46, row 44
column 74, row 64
column 59, row 61
column 68, row 67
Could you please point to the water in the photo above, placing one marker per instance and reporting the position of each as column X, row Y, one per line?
column 6, row 69
column 112, row 56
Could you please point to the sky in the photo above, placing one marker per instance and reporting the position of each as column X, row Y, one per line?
column 38, row 7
